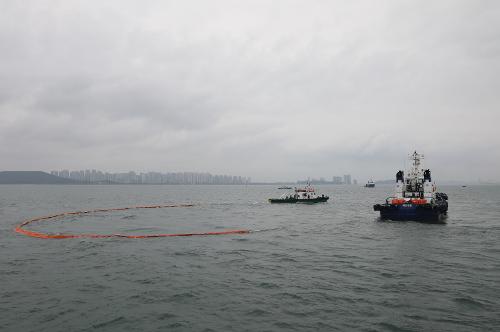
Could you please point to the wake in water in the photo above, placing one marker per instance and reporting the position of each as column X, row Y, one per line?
column 266, row 229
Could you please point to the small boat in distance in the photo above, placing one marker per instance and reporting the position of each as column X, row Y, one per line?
column 284, row 187
column 301, row 195
column 370, row 184
column 415, row 196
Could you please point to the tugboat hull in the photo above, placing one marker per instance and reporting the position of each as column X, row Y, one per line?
column 297, row 200
column 406, row 212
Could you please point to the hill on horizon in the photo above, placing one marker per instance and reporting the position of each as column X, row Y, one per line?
column 32, row 177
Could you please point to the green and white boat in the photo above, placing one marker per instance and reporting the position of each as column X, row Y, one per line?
column 301, row 195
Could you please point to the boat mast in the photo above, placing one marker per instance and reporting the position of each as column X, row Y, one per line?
column 416, row 169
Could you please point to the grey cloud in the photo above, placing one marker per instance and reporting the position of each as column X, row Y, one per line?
column 272, row 90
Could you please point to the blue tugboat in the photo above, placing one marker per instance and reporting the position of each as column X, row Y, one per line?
column 301, row 195
column 415, row 197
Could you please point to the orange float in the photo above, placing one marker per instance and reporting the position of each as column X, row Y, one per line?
column 418, row 201
column 398, row 201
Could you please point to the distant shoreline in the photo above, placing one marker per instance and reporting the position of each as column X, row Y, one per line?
column 248, row 184
column 39, row 177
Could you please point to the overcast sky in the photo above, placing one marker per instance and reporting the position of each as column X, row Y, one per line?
column 275, row 90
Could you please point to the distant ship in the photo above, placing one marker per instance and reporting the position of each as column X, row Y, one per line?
column 415, row 197
column 370, row 184
column 284, row 187
column 301, row 195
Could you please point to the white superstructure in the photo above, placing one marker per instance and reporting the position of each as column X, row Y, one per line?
column 417, row 184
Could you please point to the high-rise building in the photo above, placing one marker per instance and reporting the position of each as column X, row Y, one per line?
column 347, row 179
column 337, row 180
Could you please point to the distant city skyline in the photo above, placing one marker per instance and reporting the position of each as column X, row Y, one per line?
column 346, row 179
column 150, row 177
column 131, row 177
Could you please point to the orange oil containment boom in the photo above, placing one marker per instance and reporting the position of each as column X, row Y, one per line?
column 20, row 228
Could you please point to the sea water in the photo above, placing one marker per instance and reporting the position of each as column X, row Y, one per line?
column 305, row 267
